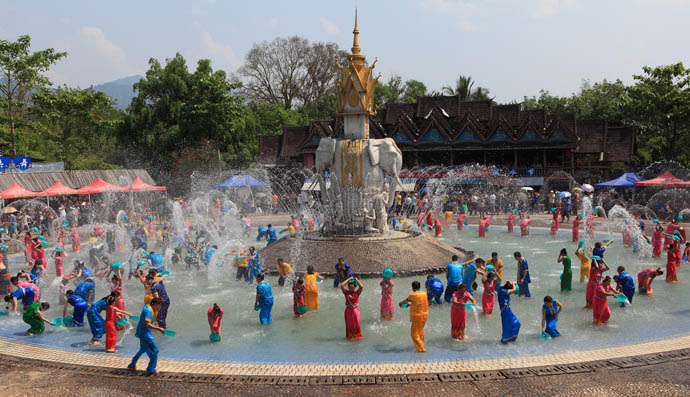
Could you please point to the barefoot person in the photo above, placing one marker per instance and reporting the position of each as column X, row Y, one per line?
column 549, row 316
column 645, row 278
column 419, row 312
column 509, row 322
column 34, row 317
column 264, row 300
column 601, row 310
column 146, row 342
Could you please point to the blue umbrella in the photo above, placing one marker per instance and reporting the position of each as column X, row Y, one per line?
column 242, row 181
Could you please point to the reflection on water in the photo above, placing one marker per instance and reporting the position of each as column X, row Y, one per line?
column 320, row 335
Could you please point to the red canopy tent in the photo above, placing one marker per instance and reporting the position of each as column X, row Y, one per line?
column 138, row 185
column 664, row 180
column 58, row 189
column 15, row 191
column 101, row 186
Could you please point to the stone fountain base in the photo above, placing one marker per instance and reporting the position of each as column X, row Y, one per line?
column 408, row 253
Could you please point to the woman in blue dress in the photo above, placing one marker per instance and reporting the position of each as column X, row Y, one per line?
column 511, row 324
column 549, row 316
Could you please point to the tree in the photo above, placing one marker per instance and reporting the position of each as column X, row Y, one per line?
column 82, row 121
column 464, row 89
column 659, row 108
column 175, row 110
column 290, row 71
column 21, row 74
column 413, row 90
column 390, row 92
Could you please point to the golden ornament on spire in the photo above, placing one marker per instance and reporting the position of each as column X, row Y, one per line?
column 356, row 85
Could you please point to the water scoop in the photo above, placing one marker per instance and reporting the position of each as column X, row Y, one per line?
column 115, row 265
column 214, row 338
column 301, row 309
column 544, row 336
column 404, row 304
column 469, row 306
column 581, row 243
column 3, row 247
column 388, row 273
column 134, row 318
column 655, row 221
column 4, row 312
column 69, row 322
column 489, row 268
column 45, row 243
column 621, row 298
column 41, row 237
column 35, row 229
column 165, row 273
column 517, row 288
column 257, row 308
column 515, row 210
column 121, row 321
column 169, row 333
column 140, row 264
column 57, row 321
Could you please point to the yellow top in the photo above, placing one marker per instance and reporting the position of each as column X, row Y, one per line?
column 419, row 306
column 284, row 269
column 584, row 261
column 310, row 279
column 291, row 229
column 242, row 260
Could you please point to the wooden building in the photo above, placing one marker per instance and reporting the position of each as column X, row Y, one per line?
column 444, row 130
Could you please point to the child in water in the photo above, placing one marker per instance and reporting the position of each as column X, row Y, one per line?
column 298, row 290
column 215, row 320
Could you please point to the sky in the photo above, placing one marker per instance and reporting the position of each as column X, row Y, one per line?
column 513, row 47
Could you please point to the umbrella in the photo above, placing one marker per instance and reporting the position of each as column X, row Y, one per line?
column 9, row 210
column 564, row 194
column 588, row 188
column 527, row 188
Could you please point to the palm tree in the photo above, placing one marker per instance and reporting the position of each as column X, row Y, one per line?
column 463, row 88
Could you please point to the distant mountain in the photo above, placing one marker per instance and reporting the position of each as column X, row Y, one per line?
column 120, row 90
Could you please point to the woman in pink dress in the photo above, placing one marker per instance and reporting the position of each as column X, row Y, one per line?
column 511, row 217
column 461, row 221
column 645, row 278
column 76, row 242
column 524, row 227
column 458, row 312
column 589, row 228
column 671, row 276
column 352, row 289
column 489, row 282
column 601, row 310
column 576, row 227
column 554, row 221
column 483, row 224
column 670, row 228
column 657, row 240
column 387, row 305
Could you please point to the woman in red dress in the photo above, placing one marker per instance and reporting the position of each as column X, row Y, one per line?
column 112, row 314
column 601, row 305
column 352, row 289
column 458, row 312
column 489, row 282
column 657, row 240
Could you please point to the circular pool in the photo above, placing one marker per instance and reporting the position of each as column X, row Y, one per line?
column 320, row 336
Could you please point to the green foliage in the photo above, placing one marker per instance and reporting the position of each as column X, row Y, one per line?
column 395, row 91
column 82, row 121
column 464, row 88
column 21, row 72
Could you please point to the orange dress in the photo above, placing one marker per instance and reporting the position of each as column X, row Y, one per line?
column 311, row 295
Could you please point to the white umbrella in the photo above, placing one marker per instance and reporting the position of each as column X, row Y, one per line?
column 588, row 188
column 564, row 194
column 527, row 188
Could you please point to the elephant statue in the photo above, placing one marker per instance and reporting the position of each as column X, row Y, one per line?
column 386, row 154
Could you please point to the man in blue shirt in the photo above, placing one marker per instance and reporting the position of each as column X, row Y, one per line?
column 523, row 275
column 454, row 277
column 342, row 272
column 469, row 274
column 434, row 289
column 254, row 264
column 625, row 284
column 156, row 261
column 271, row 235
column 264, row 300
column 599, row 249
column 146, row 342
column 209, row 254
column 262, row 234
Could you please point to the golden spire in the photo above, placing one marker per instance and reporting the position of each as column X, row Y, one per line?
column 355, row 40
column 356, row 58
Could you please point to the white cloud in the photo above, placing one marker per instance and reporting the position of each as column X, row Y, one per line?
column 330, row 26
column 547, row 8
column 273, row 21
column 448, row 5
column 95, row 40
column 224, row 51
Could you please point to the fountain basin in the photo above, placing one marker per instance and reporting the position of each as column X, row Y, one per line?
column 407, row 253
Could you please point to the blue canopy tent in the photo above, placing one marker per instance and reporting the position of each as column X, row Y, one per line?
column 626, row 180
column 242, row 181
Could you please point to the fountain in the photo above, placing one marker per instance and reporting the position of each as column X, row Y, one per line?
column 351, row 173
